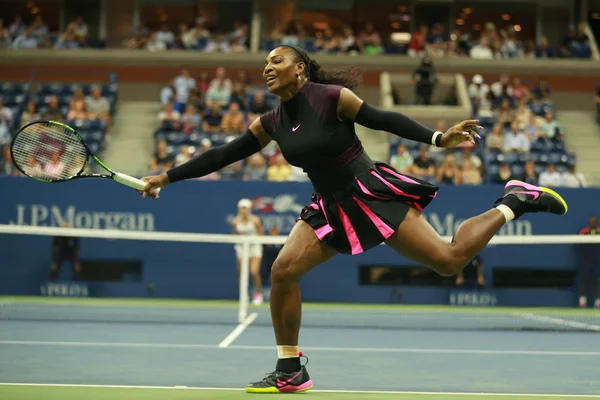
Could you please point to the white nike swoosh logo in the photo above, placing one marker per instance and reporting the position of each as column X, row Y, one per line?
column 296, row 128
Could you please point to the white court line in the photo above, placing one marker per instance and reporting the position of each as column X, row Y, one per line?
column 558, row 321
column 316, row 349
column 587, row 396
column 238, row 331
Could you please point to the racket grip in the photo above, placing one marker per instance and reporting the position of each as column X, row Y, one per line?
column 131, row 181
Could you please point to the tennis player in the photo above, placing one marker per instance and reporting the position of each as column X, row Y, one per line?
column 357, row 203
column 245, row 223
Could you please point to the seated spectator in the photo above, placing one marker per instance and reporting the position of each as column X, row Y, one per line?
column 258, row 105
column 458, row 176
column 53, row 112
column 418, row 42
column 191, row 120
column 168, row 114
column 6, row 165
column 482, row 51
column 26, row 40
column 78, row 98
column 55, row 167
column 504, row 113
column 220, row 88
column 233, row 120
column 503, row 85
column 68, row 39
column 424, row 167
column 370, row 40
column 155, row 44
column 478, row 89
column 467, row 154
column 402, row 160
column 520, row 92
column 205, row 145
column 138, row 36
column 196, row 101
column 237, row 46
column 162, row 160
column 523, row 115
column 239, row 96
column 485, row 109
column 98, row 106
column 530, row 176
column 6, row 120
column 185, row 155
column 349, row 42
column 292, row 33
column 550, row 177
column 573, row 179
column 29, row 115
column 218, row 44
column 203, row 84
column 543, row 91
column 531, row 129
column 279, row 170
column 328, row 42
column 504, row 95
column 184, row 86
column 232, row 172
column 17, row 27
column 256, row 168
column 529, row 50
column 504, row 174
column 77, row 112
column 192, row 37
column 4, row 35
column 213, row 119
column 495, row 140
column 447, row 171
column 165, row 36
column 167, row 94
column 550, row 129
column 543, row 49
column 38, row 27
column 81, row 29
column 471, row 175
column 539, row 107
column 515, row 140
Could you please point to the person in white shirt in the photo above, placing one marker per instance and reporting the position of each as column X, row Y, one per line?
column 6, row 120
column 550, row 177
column 190, row 38
column 26, row 41
column 573, row 179
column 165, row 35
column 218, row 45
column 154, row 44
column 516, row 140
column 220, row 88
column 167, row 94
column 482, row 51
column 497, row 86
column 184, row 84
column 478, row 89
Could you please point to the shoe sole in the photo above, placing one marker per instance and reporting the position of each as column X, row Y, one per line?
column 274, row 390
column 545, row 190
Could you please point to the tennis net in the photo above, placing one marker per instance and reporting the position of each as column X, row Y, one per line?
column 150, row 308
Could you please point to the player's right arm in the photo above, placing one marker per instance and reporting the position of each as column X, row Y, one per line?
column 250, row 142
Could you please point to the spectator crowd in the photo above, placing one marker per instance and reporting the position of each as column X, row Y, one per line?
column 198, row 114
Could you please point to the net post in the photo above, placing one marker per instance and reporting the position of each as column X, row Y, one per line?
column 244, row 280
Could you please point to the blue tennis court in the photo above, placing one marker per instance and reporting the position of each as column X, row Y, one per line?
column 383, row 348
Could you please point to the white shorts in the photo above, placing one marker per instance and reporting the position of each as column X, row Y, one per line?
column 256, row 250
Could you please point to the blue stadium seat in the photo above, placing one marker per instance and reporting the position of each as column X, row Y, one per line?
column 176, row 139
column 571, row 159
column 535, row 157
column 517, row 170
column 14, row 88
column 97, row 135
column 96, row 124
column 511, row 158
column 539, row 168
column 537, row 147
column 493, row 169
column 94, row 147
column 557, row 158
column 65, row 99
column 543, row 159
column 562, row 168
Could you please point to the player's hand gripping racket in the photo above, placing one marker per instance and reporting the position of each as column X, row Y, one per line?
column 50, row 151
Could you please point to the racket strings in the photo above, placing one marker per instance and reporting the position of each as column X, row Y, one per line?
column 48, row 151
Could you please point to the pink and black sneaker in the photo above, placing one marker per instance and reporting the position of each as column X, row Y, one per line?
column 282, row 382
column 523, row 198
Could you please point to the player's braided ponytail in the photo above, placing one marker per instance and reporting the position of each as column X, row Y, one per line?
column 346, row 77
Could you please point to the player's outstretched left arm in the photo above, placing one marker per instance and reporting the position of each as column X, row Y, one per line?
column 212, row 160
column 352, row 107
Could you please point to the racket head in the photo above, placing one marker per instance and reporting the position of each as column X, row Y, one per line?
column 49, row 151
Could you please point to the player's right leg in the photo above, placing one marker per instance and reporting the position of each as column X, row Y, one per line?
column 301, row 252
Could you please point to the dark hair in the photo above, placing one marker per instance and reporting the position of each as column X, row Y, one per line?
column 346, row 77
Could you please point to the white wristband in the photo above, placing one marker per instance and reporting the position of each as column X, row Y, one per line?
column 434, row 137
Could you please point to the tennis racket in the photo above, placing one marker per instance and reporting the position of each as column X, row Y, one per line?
column 49, row 151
